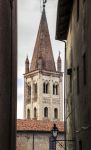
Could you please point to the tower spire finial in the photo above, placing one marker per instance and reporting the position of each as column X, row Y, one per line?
column 59, row 53
column 44, row 2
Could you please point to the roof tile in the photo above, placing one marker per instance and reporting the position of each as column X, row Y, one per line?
column 38, row 125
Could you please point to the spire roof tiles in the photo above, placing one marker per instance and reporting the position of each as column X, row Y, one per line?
column 43, row 49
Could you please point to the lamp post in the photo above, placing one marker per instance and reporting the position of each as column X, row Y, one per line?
column 54, row 131
column 54, row 134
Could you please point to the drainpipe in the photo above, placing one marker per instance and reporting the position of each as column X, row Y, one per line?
column 33, row 140
column 64, row 92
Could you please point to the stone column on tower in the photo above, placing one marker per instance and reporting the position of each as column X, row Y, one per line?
column 59, row 63
column 27, row 65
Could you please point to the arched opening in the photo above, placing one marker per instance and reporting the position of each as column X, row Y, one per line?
column 53, row 89
column 28, row 114
column 35, row 113
column 46, row 112
column 29, row 90
column 56, row 88
column 35, row 88
column 55, row 113
column 45, row 87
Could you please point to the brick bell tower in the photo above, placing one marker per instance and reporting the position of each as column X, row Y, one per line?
column 43, row 90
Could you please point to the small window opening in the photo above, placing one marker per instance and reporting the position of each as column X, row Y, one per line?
column 55, row 113
column 45, row 112
column 28, row 114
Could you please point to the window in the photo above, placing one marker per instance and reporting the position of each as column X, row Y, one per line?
column 78, row 80
column 77, row 10
column 84, row 69
column 35, row 112
column 28, row 114
column 55, row 89
column 80, row 145
column 35, row 88
column 29, row 90
column 55, row 113
column 45, row 112
column 45, row 87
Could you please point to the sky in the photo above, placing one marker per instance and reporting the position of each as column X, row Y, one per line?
column 29, row 14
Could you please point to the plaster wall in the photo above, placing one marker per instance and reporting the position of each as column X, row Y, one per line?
column 78, row 41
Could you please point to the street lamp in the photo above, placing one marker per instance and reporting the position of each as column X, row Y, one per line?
column 53, row 137
column 54, row 131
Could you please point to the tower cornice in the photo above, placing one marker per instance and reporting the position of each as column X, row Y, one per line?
column 43, row 72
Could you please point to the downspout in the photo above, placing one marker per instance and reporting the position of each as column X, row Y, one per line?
column 64, row 92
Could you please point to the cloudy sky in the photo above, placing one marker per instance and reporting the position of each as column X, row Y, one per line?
column 29, row 14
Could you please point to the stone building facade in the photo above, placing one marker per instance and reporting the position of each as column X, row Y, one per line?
column 76, row 29
column 34, row 135
column 43, row 91
column 8, row 74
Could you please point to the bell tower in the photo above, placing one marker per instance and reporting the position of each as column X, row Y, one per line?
column 43, row 90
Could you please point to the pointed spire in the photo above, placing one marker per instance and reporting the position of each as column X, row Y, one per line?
column 27, row 60
column 27, row 65
column 59, row 63
column 43, row 47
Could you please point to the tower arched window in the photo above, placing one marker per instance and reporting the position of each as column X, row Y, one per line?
column 45, row 112
column 28, row 113
column 29, row 90
column 53, row 89
column 35, row 88
column 55, row 113
column 45, row 87
column 56, row 88
column 35, row 113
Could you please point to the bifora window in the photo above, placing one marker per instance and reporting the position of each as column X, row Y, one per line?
column 45, row 87
column 55, row 89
